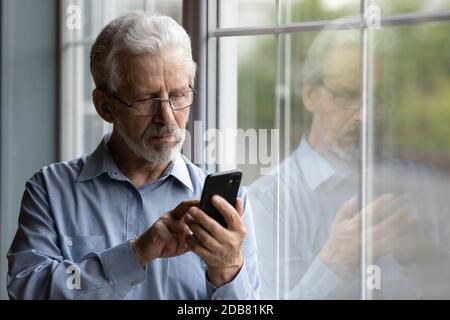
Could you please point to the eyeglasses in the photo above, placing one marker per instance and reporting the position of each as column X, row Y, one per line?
column 352, row 100
column 145, row 107
column 346, row 100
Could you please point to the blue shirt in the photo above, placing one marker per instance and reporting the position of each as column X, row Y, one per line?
column 77, row 219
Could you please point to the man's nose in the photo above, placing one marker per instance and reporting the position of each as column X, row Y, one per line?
column 164, row 113
column 357, row 115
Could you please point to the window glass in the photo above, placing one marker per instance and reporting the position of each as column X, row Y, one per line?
column 246, row 13
column 316, row 10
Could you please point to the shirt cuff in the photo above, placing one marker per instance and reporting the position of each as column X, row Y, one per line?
column 238, row 289
column 122, row 267
column 320, row 282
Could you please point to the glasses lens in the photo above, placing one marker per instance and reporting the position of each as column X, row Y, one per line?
column 143, row 108
column 182, row 100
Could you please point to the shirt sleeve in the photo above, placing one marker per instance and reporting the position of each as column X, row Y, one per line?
column 37, row 269
column 319, row 282
column 246, row 284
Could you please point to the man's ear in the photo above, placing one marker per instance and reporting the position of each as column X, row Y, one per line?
column 102, row 105
column 310, row 96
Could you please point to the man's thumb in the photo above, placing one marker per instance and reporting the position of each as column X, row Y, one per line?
column 348, row 209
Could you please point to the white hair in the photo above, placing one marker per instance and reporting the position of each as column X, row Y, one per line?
column 337, row 34
column 136, row 33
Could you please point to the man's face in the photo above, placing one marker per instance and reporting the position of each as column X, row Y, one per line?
column 337, row 104
column 159, row 136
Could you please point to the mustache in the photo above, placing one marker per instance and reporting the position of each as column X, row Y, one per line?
column 350, row 131
column 154, row 131
column 158, row 130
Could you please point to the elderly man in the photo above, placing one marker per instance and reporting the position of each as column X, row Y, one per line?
column 123, row 221
column 320, row 235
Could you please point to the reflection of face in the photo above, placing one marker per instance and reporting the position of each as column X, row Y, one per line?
column 159, row 136
column 336, row 122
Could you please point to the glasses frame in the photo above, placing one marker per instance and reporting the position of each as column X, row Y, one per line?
column 130, row 105
column 355, row 106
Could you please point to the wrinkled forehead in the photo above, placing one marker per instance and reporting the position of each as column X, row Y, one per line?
column 150, row 72
column 343, row 63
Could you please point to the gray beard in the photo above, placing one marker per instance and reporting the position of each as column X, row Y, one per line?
column 350, row 153
column 347, row 146
column 155, row 153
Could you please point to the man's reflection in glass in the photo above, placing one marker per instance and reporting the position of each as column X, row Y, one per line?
column 318, row 254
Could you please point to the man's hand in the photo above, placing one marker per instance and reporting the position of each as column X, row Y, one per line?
column 341, row 252
column 166, row 237
column 220, row 248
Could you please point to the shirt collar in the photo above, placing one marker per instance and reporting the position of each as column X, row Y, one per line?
column 180, row 171
column 315, row 168
column 101, row 161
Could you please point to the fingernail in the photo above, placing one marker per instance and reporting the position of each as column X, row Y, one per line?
column 189, row 218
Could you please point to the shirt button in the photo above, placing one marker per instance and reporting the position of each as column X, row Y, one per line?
column 69, row 243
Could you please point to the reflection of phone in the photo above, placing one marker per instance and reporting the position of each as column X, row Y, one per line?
column 225, row 184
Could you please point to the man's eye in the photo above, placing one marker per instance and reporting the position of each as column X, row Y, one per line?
column 178, row 95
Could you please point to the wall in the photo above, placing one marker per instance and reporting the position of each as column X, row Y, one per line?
column 28, row 109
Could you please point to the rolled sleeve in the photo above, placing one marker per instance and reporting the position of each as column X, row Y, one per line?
column 122, row 267
column 239, row 288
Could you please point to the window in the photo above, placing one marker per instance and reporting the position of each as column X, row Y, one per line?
column 388, row 71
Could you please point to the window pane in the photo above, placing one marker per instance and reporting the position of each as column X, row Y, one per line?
column 256, row 98
column 388, row 7
column 253, row 97
column 310, row 10
column 320, row 97
column 248, row 104
column 410, row 160
column 246, row 13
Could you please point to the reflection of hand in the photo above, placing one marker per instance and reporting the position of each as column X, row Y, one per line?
column 220, row 248
column 341, row 251
column 166, row 237
column 410, row 244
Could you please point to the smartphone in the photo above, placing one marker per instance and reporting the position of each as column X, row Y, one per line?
column 225, row 184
